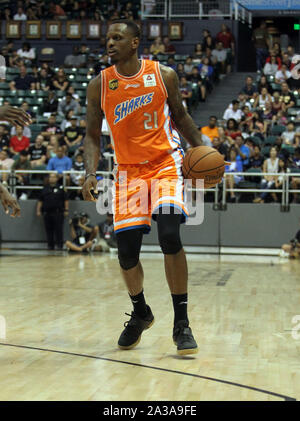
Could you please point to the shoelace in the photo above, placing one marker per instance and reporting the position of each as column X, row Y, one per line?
column 132, row 317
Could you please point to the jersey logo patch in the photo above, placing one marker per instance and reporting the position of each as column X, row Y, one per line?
column 127, row 107
column 134, row 85
column 113, row 84
column 149, row 80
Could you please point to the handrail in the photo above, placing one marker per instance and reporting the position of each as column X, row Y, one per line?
column 284, row 189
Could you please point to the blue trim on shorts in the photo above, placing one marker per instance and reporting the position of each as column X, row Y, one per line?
column 147, row 228
column 184, row 216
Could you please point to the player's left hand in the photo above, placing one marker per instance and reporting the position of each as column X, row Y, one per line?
column 9, row 202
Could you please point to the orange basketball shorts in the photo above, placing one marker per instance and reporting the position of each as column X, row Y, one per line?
column 140, row 190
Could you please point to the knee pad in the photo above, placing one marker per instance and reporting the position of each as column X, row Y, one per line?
column 169, row 242
column 129, row 246
column 127, row 261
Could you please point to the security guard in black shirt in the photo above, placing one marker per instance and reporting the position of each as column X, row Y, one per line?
column 54, row 205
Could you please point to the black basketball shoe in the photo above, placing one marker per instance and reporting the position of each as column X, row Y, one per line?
column 134, row 328
column 184, row 339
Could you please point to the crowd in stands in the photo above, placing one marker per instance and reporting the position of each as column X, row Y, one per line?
column 260, row 132
column 97, row 10
column 57, row 104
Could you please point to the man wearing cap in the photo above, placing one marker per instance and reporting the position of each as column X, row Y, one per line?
column 67, row 104
column 73, row 136
column 54, row 205
column 82, row 233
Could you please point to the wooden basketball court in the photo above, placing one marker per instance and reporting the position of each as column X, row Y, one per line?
column 61, row 316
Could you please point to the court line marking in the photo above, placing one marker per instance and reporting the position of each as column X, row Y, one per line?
column 267, row 392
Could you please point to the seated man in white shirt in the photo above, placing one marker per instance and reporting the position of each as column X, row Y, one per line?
column 233, row 112
column 283, row 74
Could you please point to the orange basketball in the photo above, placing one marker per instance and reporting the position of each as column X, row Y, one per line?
column 203, row 162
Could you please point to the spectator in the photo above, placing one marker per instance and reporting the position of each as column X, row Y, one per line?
column 271, row 165
column 206, row 71
column 271, row 67
column 242, row 151
column 55, row 10
column 220, row 54
column 26, row 132
column 50, row 104
column 172, row 63
column 20, row 15
column 68, row 103
column 60, row 81
column 279, row 180
column 195, row 78
column 73, row 136
column 180, row 71
column 249, row 89
column 27, row 53
column 14, row 60
column 261, row 43
column 5, row 164
column 18, row 142
column 169, row 48
column 232, row 130
column 233, row 180
column 277, row 103
column 43, row 81
column 211, row 130
column 186, row 91
column 157, row 47
column 256, row 160
column 106, row 238
column 188, row 66
column 82, row 233
column 4, row 139
column 22, row 163
column 286, row 96
column 67, row 120
column 283, row 74
column 75, row 59
column 23, row 82
column 198, row 52
column 263, row 83
column 289, row 135
column 257, row 126
column 71, row 91
column 48, row 69
column 208, row 42
column 287, row 61
column 53, row 204
column 235, row 112
column 280, row 118
column 37, row 152
column 277, row 58
column 219, row 146
column 227, row 39
column 52, row 147
column 146, row 54
column 25, row 107
column 52, row 128
column 60, row 163
column 262, row 99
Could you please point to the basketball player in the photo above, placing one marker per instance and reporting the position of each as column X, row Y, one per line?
column 14, row 116
column 137, row 98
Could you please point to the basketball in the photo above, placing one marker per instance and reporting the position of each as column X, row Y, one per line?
column 203, row 162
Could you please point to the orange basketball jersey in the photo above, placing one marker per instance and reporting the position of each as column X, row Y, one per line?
column 137, row 114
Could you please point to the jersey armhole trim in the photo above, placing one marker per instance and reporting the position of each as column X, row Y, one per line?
column 160, row 78
column 102, row 90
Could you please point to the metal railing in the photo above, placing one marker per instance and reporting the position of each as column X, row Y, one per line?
column 220, row 191
column 198, row 9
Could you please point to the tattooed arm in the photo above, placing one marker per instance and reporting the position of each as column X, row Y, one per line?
column 94, row 117
column 182, row 119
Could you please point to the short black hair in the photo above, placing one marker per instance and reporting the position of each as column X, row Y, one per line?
column 23, row 153
column 214, row 117
column 131, row 25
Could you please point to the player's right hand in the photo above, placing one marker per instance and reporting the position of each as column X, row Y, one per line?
column 89, row 187
column 14, row 115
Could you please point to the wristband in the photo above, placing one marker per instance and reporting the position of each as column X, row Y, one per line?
column 90, row 174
